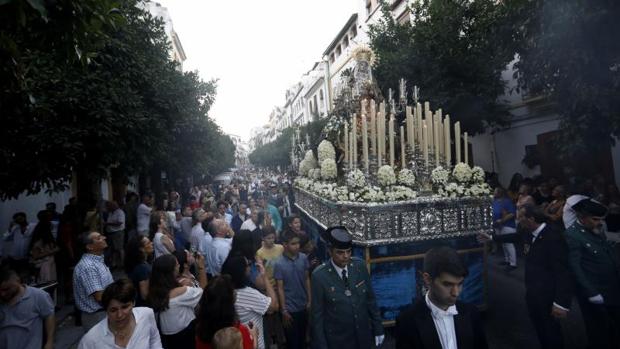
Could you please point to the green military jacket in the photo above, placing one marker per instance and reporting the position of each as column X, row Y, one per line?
column 595, row 264
column 341, row 319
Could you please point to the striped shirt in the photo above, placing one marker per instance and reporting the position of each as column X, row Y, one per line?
column 251, row 305
column 89, row 276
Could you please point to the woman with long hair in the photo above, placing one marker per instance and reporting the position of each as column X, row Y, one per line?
column 138, row 251
column 216, row 310
column 251, row 305
column 42, row 249
column 160, row 234
column 174, row 303
column 246, row 244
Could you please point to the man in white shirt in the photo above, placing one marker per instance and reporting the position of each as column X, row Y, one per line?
column 144, row 214
column 115, row 233
column 435, row 319
column 220, row 246
column 17, row 240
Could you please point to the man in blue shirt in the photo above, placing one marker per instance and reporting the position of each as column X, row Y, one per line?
column 504, row 213
column 23, row 311
column 291, row 272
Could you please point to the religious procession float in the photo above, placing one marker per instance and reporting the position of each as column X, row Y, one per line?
column 398, row 176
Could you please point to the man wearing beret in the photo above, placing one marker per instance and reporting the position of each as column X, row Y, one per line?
column 596, row 267
column 344, row 313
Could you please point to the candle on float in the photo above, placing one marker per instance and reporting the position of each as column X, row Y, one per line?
column 403, row 160
column 351, row 149
column 383, row 133
column 346, row 141
column 446, row 126
column 354, row 130
column 365, row 142
column 391, row 136
column 457, row 141
column 429, row 124
column 436, row 139
column 440, row 132
column 425, row 143
column 410, row 134
column 466, row 147
column 418, row 113
column 373, row 125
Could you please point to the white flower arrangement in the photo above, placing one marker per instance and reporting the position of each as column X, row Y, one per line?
column 326, row 151
column 440, row 176
column 462, row 172
column 477, row 174
column 329, row 169
column 310, row 159
column 399, row 192
column 356, row 179
column 304, row 183
column 372, row 194
column 315, row 173
column 303, row 168
column 386, row 175
column 406, row 177
column 478, row 190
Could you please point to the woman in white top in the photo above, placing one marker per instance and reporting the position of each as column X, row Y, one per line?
column 124, row 326
column 160, row 234
column 173, row 302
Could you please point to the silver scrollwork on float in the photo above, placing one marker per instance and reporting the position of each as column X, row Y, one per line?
column 424, row 218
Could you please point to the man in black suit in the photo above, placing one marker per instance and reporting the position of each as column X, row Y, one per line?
column 548, row 281
column 438, row 320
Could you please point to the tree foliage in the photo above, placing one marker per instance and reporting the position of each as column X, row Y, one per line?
column 115, row 101
column 452, row 50
column 278, row 152
column 569, row 52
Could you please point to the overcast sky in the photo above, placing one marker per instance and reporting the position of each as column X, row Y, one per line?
column 257, row 49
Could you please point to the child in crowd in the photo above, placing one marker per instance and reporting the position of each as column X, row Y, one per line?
column 292, row 275
column 227, row 338
column 309, row 249
column 268, row 254
column 269, row 251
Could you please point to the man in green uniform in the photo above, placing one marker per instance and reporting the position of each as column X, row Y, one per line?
column 596, row 267
column 344, row 313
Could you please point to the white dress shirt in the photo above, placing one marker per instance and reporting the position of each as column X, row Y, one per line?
column 338, row 269
column 144, row 336
column 444, row 323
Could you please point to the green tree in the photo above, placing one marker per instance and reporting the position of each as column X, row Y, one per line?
column 278, row 152
column 569, row 53
column 127, row 108
column 454, row 51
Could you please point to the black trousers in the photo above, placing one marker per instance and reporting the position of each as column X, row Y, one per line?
column 296, row 333
column 602, row 324
column 185, row 339
column 547, row 327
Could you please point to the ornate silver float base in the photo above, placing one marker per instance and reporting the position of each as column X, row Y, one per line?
column 425, row 218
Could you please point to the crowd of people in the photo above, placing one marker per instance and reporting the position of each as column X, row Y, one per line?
column 568, row 239
column 229, row 265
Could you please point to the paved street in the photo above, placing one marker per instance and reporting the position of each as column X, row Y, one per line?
column 507, row 323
